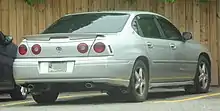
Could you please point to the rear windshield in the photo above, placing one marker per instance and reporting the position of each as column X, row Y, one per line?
column 89, row 23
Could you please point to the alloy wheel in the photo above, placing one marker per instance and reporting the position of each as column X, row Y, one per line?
column 203, row 75
column 140, row 81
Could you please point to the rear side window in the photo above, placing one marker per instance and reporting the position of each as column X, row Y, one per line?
column 89, row 23
column 148, row 27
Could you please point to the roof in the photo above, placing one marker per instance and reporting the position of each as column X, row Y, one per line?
column 121, row 11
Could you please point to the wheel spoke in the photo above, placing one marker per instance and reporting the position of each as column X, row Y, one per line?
column 143, row 83
column 204, row 83
column 137, row 85
column 203, row 68
column 137, row 75
column 141, row 73
column 141, row 89
column 201, row 77
column 200, row 69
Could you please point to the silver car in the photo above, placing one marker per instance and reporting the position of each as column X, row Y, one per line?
column 124, row 53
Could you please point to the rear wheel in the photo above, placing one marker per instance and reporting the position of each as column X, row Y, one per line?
column 202, row 78
column 19, row 93
column 139, row 82
column 46, row 97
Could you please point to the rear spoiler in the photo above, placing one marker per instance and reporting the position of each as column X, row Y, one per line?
column 71, row 36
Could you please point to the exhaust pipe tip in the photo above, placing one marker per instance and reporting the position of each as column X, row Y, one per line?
column 89, row 85
column 30, row 86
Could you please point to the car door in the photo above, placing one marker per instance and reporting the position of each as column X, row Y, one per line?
column 179, row 48
column 158, row 49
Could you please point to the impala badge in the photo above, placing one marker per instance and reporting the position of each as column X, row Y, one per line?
column 59, row 49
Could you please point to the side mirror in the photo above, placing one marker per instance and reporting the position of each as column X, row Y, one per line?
column 4, row 39
column 8, row 40
column 187, row 35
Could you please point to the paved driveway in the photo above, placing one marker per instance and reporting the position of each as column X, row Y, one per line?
column 159, row 100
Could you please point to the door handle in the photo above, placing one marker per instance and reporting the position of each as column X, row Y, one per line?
column 173, row 46
column 149, row 45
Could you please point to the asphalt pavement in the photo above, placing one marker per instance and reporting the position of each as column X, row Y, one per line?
column 159, row 100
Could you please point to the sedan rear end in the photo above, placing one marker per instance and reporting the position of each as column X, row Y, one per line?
column 75, row 52
column 69, row 60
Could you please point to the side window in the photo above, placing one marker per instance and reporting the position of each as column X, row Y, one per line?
column 148, row 27
column 170, row 31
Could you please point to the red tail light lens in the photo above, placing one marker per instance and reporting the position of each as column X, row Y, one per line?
column 99, row 47
column 22, row 49
column 36, row 49
column 82, row 47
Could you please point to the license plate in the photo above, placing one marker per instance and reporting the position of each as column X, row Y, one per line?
column 57, row 67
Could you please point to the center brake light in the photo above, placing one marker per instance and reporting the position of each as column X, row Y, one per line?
column 36, row 49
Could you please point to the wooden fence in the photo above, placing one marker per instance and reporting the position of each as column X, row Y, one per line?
column 18, row 19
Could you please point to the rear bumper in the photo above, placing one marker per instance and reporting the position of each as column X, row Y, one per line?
column 86, row 69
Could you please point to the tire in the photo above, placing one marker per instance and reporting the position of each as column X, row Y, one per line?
column 113, row 93
column 116, row 93
column 47, row 97
column 201, row 85
column 134, row 86
column 19, row 93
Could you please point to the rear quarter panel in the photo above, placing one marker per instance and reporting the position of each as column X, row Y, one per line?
column 127, row 45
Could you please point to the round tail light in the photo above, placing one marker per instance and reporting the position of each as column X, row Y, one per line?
column 82, row 47
column 36, row 49
column 22, row 49
column 99, row 47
